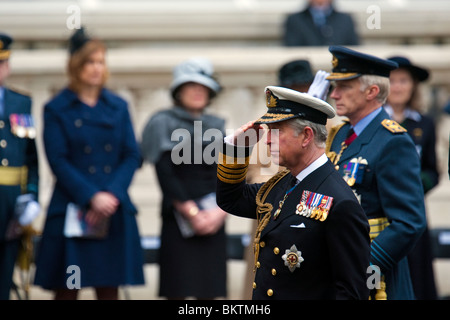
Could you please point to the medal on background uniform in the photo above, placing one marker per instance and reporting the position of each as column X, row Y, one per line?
column 31, row 130
column 354, row 171
column 22, row 125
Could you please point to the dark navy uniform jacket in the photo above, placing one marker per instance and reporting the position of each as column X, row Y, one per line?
column 16, row 152
column 335, row 251
column 388, row 186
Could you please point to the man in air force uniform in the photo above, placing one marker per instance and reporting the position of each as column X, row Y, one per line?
column 18, row 169
column 377, row 159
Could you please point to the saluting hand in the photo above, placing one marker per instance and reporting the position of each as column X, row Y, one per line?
column 248, row 134
column 320, row 86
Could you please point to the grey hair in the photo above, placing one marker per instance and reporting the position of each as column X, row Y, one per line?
column 320, row 130
column 381, row 82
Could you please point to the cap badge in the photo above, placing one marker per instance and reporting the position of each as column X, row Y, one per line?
column 334, row 62
column 272, row 100
column 292, row 258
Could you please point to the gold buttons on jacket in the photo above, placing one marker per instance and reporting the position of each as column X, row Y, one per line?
column 258, row 264
column 5, row 162
column 2, row 124
column 87, row 149
column 276, row 250
column 262, row 244
column 270, row 292
column 3, row 143
column 254, row 285
column 78, row 123
column 274, row 272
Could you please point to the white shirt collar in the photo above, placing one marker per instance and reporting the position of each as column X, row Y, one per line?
column 408, row 113
column 312, row 167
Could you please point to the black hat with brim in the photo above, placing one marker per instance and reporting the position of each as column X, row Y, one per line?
column 294, row 73
column 5, row 43
column 421, row 74
column 349, row 64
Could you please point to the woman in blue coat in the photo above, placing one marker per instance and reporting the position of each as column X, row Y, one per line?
column 91, row 148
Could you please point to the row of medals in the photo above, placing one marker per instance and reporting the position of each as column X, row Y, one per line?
column 23, row 131
column 317, row 213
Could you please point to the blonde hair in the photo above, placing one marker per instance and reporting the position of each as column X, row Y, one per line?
column 77, row 61
column 383, row 83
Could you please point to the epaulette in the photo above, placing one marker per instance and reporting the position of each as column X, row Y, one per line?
column 393, row 126
column 20, row 91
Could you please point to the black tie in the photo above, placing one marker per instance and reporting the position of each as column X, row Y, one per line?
column 293, row 181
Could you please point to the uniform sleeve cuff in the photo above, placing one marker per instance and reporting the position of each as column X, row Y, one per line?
column 233, row 163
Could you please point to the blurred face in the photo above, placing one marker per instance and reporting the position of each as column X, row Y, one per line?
column 92, row 73
column 194, row 96
column 284, row 144
column 350, row 101
column 320, row 3
column 4, row 71
column 402, row 87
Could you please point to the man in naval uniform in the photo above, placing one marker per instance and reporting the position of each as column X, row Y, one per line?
column 18, row 170
column 312, row 240
column 378, row 160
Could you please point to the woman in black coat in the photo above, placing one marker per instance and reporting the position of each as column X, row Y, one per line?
column 193, row 241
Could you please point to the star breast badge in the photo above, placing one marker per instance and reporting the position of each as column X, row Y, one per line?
column 292, row 258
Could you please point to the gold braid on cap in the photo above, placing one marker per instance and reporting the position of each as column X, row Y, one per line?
column 264, row 210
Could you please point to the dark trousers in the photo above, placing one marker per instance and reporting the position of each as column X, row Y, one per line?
column 8, row 256
column 420, row 262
